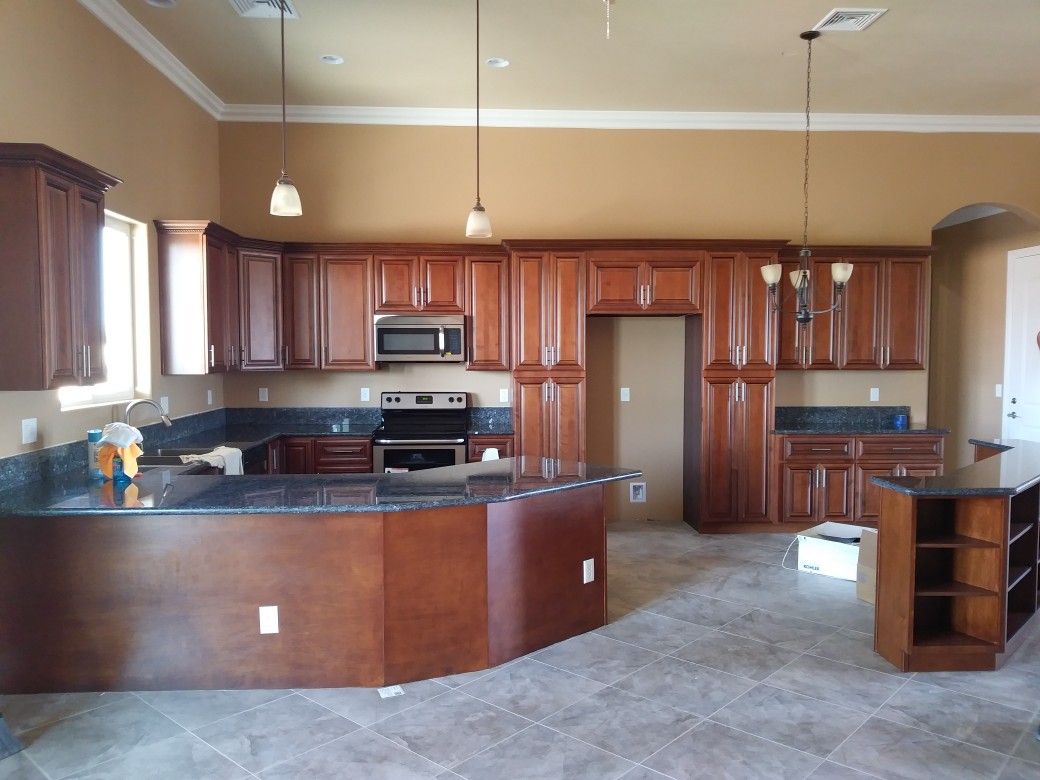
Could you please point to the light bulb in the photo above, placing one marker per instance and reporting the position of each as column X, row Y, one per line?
column 798, row 276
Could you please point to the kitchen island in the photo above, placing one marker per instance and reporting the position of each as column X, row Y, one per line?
column 377, row 579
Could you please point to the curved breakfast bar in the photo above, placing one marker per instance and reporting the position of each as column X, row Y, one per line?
column 378, row 579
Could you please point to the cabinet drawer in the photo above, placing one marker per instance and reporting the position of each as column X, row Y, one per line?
column 817, row 448
column 477, row 444
column 899, row 448
column 336, row 452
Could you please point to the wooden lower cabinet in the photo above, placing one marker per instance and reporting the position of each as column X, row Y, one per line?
column 477, row 444
column 320, row 455
column 550, row 416
column 297, row 455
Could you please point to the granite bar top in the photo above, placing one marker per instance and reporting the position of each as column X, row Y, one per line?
column 846, row 421
column 1007, row 473
column 176, row 491
column 921, row 430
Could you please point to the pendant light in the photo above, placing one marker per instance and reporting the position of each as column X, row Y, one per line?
column 285, row 200
column 478, row 224
column 841, row 272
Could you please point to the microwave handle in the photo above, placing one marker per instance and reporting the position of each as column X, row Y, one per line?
column 440, row 340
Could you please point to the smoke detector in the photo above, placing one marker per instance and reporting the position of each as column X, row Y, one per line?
column 264, row 9
column 849, row 19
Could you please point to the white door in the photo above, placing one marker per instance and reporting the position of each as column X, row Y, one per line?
column 1022, row 346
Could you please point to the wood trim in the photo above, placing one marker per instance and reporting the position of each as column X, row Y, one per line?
column 826, row 251
column 651, row 244
column 54, row 161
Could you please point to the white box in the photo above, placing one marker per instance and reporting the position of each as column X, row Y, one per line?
column 866, row 580
column 827, row 556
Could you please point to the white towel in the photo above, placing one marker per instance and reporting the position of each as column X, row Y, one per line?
column 227, row 458
column 120, row 435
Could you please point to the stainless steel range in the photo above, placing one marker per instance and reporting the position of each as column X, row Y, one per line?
column 420, row 431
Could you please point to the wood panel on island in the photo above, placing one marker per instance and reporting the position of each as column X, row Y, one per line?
column 52, row 213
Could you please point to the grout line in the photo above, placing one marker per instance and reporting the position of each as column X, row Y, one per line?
column 210, row 723
column 220, row 752
column 380, row 720
column 32, row 761
column 923, row 681
column 403, row 747
column 71, row 714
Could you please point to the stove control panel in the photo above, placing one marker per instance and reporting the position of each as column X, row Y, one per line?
column 404, row 400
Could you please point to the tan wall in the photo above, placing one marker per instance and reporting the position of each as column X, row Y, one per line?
column 644, row 354
column 969, row 292
column 70, row 83
column 852, row 388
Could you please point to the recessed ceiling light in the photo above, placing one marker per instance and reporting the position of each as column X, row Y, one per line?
column 162, row 3
column 497, row 62
column 331, row 59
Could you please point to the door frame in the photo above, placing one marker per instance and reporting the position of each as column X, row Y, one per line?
column 1012, row 256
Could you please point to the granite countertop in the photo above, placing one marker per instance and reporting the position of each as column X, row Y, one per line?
column 860, row 430
column 846, row 421
column 1007, row 473
column 175, row 491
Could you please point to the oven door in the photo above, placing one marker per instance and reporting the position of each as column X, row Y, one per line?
column 416, row 456
column 400, row 343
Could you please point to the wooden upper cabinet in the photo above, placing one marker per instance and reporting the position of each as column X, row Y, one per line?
column 740, row 324
column 487, row 304
column 567, row 325
column 549, row 311
column 531, row 307
column 220, row 338
column 260, row 299
column 674, row 285
column 51, row 222
column 860, row 334
column 616, row 285
column 905, row 312
column 413, row 283
column 346, row 312
column 631, row 282
column 300, row 310
column 758, row 325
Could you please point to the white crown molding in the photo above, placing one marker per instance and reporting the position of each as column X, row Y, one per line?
column 123, row 24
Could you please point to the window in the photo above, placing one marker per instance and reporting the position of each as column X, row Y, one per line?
column 125, row 316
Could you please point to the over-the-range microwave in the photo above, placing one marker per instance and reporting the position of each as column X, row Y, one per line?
column 417, row 338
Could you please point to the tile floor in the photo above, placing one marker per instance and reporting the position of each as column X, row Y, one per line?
column 717, row 663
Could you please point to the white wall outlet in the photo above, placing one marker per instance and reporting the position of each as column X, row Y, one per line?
column 626, row 395
column 637, row 492
column 588, row 570
column 875, row 394
column 268, row 620
column 30, row 431
column 209, row 397
column 1000, row 391
column 365, row 394
column 503, row 395
column 262, row 395
column 164, row 402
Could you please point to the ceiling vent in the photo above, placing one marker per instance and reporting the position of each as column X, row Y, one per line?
column 264, row 9
column 849, row 19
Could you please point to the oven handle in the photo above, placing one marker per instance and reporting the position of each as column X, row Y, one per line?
column 440, row 340
column 394, row 442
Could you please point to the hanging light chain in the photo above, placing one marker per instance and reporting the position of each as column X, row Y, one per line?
column 608, row 3
column 478, row 99
column 805, row 176
column 282, row 6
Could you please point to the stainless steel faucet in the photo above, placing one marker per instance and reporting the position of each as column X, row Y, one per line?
column 146, row 402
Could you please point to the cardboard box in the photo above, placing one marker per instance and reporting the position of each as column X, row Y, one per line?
column 866, row 571
column 830, row 549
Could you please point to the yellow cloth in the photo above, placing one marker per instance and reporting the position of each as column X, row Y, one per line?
column 108, row 452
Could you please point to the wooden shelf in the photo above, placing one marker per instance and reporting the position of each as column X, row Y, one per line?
column 952, row 588
column 1016, row 574
column 949, row 638
column 953, row 540
column 1018, row 530
column 1015, row 621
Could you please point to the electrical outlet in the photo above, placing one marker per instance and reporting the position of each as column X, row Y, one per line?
column 875, row 394
column 164, row 403
column 503, row 395
column 626, row 395
column 262, row 395
column 268, row 620
column 1000, row 391
column 637, row 492
column 209, row 397
column 588, row 570
column 30, row 431
column 365, row 395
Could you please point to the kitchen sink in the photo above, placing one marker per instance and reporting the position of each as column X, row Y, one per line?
column 163, row 459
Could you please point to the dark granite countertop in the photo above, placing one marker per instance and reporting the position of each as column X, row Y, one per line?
column 845, row 421
column 174, row 491
column 854, row 430
column 1004, row 474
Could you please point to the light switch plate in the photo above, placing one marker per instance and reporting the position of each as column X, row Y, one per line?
column 269, row 620
column 503, row 395
column 164, row 402
column 365, row 395
column 637, row 492
column 626, row 395
column 875, row 394
column 588, row 570
column 1000, row 391
column 30, row 431
column 262, row 394
column 209, row 397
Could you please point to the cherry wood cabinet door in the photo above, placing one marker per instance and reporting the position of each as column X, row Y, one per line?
column 568, row 312
column 791, row 337
column 260, row 299
column 823, row 331
column 868, row 495
column 90, row 222
column 531, row 313
column 674, row 286
column 756, row 420
column 233, row 309
column 442, row 280
column 837, row 490
column 931, row 470
column 300, row 310
column 799, row 496
column 476, row 445
column 217, row 293
column 297, row 455
column 724, row 312
column 531, row 405
column 567, row 416
column 346, row 312
column 397, row 284
column 64, row 353
column 487, row 304
column 861, row 317
column 615, row 285
column 905, row 330
column 758, row 319
column 720, row 446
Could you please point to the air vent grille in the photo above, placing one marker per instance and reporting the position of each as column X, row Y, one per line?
column 264, row 9
column 849, row 19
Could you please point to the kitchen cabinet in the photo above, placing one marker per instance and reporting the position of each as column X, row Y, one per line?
column 297, row 455
column 300, row 296
column 737, row 414
column 342, row 455
column 629, row 282
column 550, row 414
column 817, row 493
column 51, row 220
column 419, row 283
column 346, row 312
column 260, row 304
column 904, row 328
column 549, row 311
column 815, row 344
column 740, row 324
column 476, row 445
column 487, row 310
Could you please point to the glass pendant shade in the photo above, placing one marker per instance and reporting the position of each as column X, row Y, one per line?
column 798, row 276
column 841, row 272
column 771, row 273
column 478, row 224
column 285, row 200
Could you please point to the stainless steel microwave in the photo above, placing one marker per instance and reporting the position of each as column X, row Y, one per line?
column 407, row 338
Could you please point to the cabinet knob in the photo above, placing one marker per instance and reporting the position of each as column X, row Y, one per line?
column 1013, row 415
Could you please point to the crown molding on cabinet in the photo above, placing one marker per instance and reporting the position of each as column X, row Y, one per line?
column 123, row 24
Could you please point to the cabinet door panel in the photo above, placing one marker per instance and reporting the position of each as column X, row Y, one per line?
column 297, row 455
column 531, row 405
column 615, row 286
column 906, row 312
column 724, row 311
column 568, row 420
column 791, row 337
column 64, row 347
column 530, row 320
column 568, row 323
column 836, row 493
column 300, row 318
column 89, row 225
column 443, row 284
column 397, row 284
column 216, row 306
column 234, row 326
column 861, row 317
column 346, row 311
column 759, row 326
column 720, row 441
column 260, row 299
column 487, row 304
column 799, row 494
column 868, row 495
column 756, row 413
column 675, row 285
column 933, row 470
column 823, row 331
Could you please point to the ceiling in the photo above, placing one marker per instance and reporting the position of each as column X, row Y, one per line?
column 923, row 57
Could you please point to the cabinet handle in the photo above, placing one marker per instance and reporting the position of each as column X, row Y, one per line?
column 745, row 354
column 424, row 297
column 884, row 357
column 89, row 362
column 649, row 296
column 816, row 477
column 285, row 354
column 902, row 449
column 545, row 356
column 556, row 355
column 822, row 449
column 212, row 356
column 325, row 351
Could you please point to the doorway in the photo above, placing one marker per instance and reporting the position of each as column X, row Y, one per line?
column 1022, row 346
